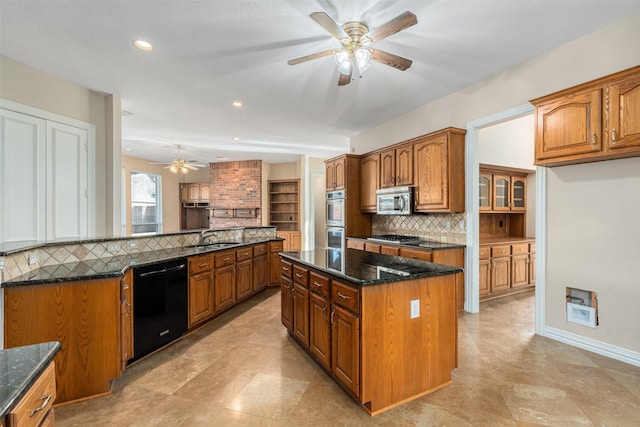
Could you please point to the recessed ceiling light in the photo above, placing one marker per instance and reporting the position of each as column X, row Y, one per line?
column 128, row 149
column 235, row 138
column 237, row 104
column 143, row 45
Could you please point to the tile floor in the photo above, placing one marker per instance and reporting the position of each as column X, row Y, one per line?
column 243, row 369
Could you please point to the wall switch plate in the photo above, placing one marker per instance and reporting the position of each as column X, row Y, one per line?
column 33, row 258
column 415, row 308
column 113, row 247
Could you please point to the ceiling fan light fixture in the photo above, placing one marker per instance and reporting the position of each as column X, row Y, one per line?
column 362, row 59
column 173, row 169
column 343, row 61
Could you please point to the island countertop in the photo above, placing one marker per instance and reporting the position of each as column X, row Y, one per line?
column 368, row 268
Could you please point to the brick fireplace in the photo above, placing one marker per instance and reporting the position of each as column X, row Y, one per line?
column 235, row 187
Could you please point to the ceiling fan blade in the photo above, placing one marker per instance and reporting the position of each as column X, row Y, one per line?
column 329, row 24
column 398, row 23
column 159, row 163
column 190, row 167
column 390, row 59
column 345, row 79
column 310, row 57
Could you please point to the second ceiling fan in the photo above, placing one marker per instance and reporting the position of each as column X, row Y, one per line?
column 356, row 41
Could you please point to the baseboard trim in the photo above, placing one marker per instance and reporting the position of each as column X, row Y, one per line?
column 598, row 347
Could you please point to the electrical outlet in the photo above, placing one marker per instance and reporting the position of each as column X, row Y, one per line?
column 113, row 247
column 132, row 245
column 447, row 225
column 415, row 308
column 33, row 258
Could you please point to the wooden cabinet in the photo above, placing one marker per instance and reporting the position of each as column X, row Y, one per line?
column 320, row 329
column 70, row 313
column 301, row 314
column 201, row 289
column 502, row 191
column 345, row 348
column 369, row 182
column 418, row 254
column 35, row 409
column 292, row 240
column 396, row 166
column 274, row 262
column 244, row 273
column 594, row 121
column 506, row 268
column 126, row 318
column 260, row 267
column 224, row 280
column 439, row 171
column 335, row 173
column 389, row 250
column 286, row 295
column 284, row 204
column 196, row 192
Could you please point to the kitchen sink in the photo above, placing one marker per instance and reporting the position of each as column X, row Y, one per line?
column 216, row 245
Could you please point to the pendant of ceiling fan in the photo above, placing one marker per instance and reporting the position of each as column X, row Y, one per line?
column 356, row 40
column 179, row 164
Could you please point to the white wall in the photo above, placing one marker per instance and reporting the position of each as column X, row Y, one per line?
column 508, row 144
column 592, row 210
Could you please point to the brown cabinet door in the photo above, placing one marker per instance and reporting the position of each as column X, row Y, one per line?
column 330, row 175
column 320, row 329
column 340, row 172
column 201, row 299
column 389, row 250
column 345, row 348
column 388, row 168
column 422, row 255
column 184, row 193
column 372, row 247
column 224, row 287
column 244, row 279
column 519, row 270
column 485, row 277
column 194, row 193
column 532, row 269
column 500, row 274
column 486, row 193
column 295, row 241
column 569, row 126
column 624, row 124
column 274, row 262
column 518, row 193
column 369, row 182
column 286, row 302
column 260, row 271
column 501, row 192
column 204, row 192
column 126, row 318
column 404, row 165
column 301, row 314
column 431, row 172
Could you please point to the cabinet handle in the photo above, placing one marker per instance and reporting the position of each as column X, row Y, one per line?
column 225, row 259
column 317, row 284
column 47, row 399
column 331, row 319
column 613, row 136
column 343, row 296
column 285, row 269
column 202, row 265
column 593, row 139
column 286, row 286
column 324, row 313
column 298, row 275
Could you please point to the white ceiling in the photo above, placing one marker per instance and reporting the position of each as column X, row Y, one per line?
column 210, row 53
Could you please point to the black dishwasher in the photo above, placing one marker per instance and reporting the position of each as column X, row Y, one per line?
column 160, row 306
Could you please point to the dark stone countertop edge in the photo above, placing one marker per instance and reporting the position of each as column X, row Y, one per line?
column 425, row 245
column 12, row 393
column 445, row 270
column 126, row 262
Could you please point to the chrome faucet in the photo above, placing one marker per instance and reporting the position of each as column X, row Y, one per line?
column 206, row 233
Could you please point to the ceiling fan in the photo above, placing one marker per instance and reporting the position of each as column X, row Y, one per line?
column 179, row 164
column 356, row 41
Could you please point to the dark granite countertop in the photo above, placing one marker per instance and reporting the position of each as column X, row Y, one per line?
column 20, row 367
column 116, row 266
column 367, row 268
column 427, row 245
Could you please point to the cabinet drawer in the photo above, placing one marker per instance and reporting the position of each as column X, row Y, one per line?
column 35, row 405
column 355, row 244
column 532, row 248
column 259, row 250
column 345, row 296
column 389, row 250
column 286, row 269
column 301, row 276
column 244, row 253
column 319, row 284
column 275, row 247
column 372, row 247
column 520, row 248
column 485, row 252
column 200, row 263
column 500, row 250
column 416, row 254
column 225, row 258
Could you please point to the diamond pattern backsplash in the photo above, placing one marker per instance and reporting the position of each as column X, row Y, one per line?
column 17, row 264
column 448, row 228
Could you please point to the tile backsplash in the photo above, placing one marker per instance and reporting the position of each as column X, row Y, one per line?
column 448, row 228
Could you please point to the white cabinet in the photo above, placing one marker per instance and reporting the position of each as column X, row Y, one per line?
column 45, row 170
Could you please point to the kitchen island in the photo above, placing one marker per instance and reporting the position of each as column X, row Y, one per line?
column 384, row 327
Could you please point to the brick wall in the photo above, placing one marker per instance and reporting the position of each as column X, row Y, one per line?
column 236, row 185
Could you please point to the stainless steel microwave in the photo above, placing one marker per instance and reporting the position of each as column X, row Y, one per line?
column 394, row 201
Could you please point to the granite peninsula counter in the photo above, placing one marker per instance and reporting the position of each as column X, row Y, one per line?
column 383, row 327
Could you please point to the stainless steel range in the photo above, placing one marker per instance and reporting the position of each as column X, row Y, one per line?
column 393, row 238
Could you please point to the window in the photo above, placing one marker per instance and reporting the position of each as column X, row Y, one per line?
column 145, row 203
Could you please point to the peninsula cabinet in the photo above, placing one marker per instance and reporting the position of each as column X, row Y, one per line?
column 201, row 289
column 369, row 182
column 72, row 313
column 439, row 171
column 598, row 120
column 35, row 408
column 396, row 166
